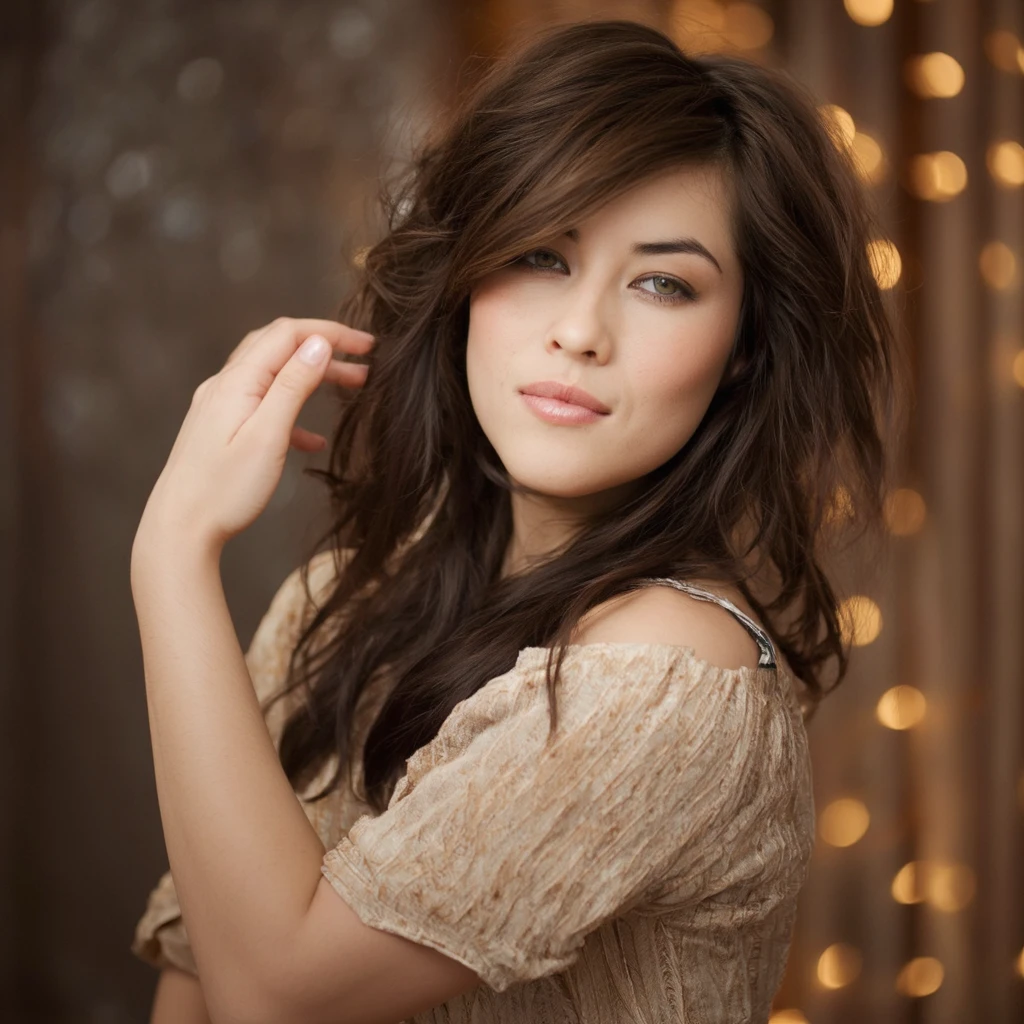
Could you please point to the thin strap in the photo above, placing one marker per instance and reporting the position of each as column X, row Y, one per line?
column 764, row 641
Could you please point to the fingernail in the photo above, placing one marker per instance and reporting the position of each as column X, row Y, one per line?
column 313, row 349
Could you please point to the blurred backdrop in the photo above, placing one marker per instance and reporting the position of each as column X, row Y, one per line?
column 174, row 173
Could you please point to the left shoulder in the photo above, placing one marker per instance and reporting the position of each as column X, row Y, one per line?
column 664, row 615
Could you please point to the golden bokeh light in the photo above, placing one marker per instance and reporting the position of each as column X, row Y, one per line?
column 907, row 887
column 904, row 511
column 920, row 977
column 839, row 123
column 843, row 822
column 698, row 25
column 938, row 177
column 1018, row 367
column 1003, row 49
column 901, row 707
column 359, row 256
column 1006, row 163
column 868, row 12
column 839, row 965
column 934, row 75
column 860, row 620
column 998, row 266
column 950, row 887
column 869, row 158
column 747, row 26
column 1020, row 964
column 788, row 1016
column 840, row 506
column 885, row 262
column 947, row 886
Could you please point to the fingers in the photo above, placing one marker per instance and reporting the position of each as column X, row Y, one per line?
column 306, row 441
column 272, row 346
column 294, row 382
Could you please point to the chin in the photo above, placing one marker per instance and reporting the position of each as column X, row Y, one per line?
column 560, row 479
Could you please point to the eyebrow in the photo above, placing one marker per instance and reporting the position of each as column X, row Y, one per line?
column 683, row 245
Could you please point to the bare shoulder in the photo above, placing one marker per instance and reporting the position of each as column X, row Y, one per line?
column 664, row 615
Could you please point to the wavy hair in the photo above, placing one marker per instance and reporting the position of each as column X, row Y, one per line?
column 790, row 454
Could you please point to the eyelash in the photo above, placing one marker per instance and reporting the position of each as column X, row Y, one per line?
column 687, row 294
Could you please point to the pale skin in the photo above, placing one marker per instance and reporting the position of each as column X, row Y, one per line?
column 271, row 938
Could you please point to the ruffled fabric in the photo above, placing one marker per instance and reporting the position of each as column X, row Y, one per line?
column 644, row 865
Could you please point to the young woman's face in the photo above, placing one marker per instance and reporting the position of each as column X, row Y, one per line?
column 647, row 334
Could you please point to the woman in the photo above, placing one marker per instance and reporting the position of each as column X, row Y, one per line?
column 542, row 689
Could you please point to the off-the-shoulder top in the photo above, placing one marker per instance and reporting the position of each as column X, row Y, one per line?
column 645, row 866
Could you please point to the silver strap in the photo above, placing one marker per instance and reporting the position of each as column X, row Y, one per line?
column 767, row 658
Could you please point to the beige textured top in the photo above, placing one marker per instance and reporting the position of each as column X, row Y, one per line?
column 645, row 867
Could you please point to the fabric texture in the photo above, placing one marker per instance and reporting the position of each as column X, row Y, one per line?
column 644, row 865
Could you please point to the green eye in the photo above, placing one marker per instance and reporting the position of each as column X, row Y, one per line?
column 659, row 281
column 540, row 255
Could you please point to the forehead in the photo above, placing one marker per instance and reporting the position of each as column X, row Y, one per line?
column 686, row 200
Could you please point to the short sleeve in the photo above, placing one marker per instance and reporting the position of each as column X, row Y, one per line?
column 504, row 852
column 160, row 937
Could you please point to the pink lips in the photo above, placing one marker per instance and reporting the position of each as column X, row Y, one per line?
column 563, row 403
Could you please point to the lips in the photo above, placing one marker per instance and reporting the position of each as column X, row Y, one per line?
column 565, row 393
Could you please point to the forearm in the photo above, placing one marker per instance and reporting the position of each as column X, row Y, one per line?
column 245, row 859
column 178, row 999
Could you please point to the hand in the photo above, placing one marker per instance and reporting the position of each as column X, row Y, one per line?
column 228, row 457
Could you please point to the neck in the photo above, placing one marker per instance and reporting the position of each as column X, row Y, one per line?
column 544, row 523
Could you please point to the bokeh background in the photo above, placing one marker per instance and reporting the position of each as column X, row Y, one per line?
column 174, row 173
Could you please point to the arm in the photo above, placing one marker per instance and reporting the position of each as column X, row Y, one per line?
column 178, row 999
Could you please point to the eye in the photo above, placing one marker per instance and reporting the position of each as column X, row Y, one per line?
column 544, row 255
column 668, row 289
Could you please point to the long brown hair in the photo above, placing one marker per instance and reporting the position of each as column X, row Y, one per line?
column 419, row 498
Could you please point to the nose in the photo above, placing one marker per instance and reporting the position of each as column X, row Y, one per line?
column 581, row 327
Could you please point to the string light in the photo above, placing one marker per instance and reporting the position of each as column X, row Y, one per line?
column 998, row 266
column 885, row 262
column 839, row 124
column 747, row 26
column 905, row 511
column 839, row 965
column 860, row 620
column 938, row 177
column 920, row 977
column 868, row 12
column 1004, row 51
column 934, row 75
column 869, row 161
column 901, row 707
column 843, row 822
column 1006, row 163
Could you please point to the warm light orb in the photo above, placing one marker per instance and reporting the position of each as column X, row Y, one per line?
column 747, row 26
column 868, row 12
column 844, row 821
column 938, row 177
column 1020, row 964
column 1006, row 163
column 904, row 511
column 934, row 75
column 788, row 1016
column 840, row 506
column 901, row 707
column 838, row 965
column 885, row 261
column 1004, row 50
column 920, row 977
column 698, row 25
column 860, row 620
column 839, row 124
column 950, row 887
column 998, row 266
column 869, row 159
column 1018, row 376
column 359, row 256
column 907, row 886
